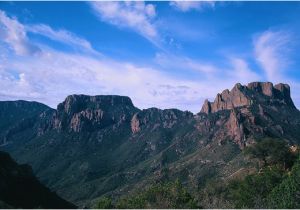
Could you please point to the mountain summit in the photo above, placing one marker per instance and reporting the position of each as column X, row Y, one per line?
column 246, row 95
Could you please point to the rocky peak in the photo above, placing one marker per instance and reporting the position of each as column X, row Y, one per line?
column 84, row 113
column 246, row 95
column 265, row 88
column 77, row 103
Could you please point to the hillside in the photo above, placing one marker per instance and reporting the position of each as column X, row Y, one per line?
column 20, row 189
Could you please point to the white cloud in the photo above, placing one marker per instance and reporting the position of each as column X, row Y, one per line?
column 137, row 16
column 182, row 62
column 13, row 33
column 55, row 75
column 186, row 6
column 270, row 50
column 241, row 71
column 238, row 70
column 63, row 36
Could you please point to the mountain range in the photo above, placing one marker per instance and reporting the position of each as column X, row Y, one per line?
column 95, row 146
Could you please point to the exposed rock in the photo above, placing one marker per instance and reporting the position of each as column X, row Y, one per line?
column 156, row 118
column 236, row 128
column 255, row 92
column 135, row 124
column 85, row 113
column 206, row 108
column 283, row 92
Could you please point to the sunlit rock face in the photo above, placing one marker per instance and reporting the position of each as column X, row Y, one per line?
column 87, row 113
column 246, row 95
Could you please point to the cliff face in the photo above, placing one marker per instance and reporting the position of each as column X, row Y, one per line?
column 253, row 93
column 256, row 110
column 154, row 118
column 88, row 113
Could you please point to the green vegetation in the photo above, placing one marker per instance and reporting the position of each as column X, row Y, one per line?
column 287, row 193
column 104, row 203
column 253, row 191
column 276, row 185
column 160, row 195
column 271, row 152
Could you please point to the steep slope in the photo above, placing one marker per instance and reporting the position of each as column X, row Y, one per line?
column 20, row 189
column 18, row 116
column 256, row 110
column 103, row 145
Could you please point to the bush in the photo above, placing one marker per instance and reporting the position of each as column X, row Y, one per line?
column 104, row 203
column 287, row 194
column 167, row 195
column 252, row 192
column 271, row 152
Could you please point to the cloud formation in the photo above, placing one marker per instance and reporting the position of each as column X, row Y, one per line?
column 54, row 74
column 185, row 6
column 137, row 16
column 62, row 36
column 14, row 35
column 270, row 49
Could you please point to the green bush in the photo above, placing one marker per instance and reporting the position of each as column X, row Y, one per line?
column 271, row 152
column 104, row 203
column 276, row 185
column 254, row 189
column 166, row 195
column 287, row 194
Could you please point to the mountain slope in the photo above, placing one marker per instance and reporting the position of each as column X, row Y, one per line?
column 20, row 189
column 103, row 145
column 18, row 117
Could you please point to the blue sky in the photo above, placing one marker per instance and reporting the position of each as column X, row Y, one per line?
column 162, row 54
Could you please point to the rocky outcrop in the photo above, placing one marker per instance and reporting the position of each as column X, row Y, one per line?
column 206, row 108
column 86, row 113
column 135, row 124
column 154, row 118
column 246, row 95
column 236, row 128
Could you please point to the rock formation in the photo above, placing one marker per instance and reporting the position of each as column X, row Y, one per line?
column 155, row 118
column 82, row 112
column 255, row 92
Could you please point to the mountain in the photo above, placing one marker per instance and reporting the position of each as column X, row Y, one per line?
column 20, row 189
column 17, row 116
column 92, row 146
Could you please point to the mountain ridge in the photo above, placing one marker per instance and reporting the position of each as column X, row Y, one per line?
column 112, row 148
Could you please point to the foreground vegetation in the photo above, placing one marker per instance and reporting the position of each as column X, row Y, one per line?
column 276, row 184
column 161, row 195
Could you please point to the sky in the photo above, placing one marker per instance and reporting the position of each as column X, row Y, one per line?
column 160, row 54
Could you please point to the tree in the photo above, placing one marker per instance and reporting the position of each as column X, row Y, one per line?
column 104, row 203
column 254, row 189
column 287, row 194
column 161, row 195
column 271, row 152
